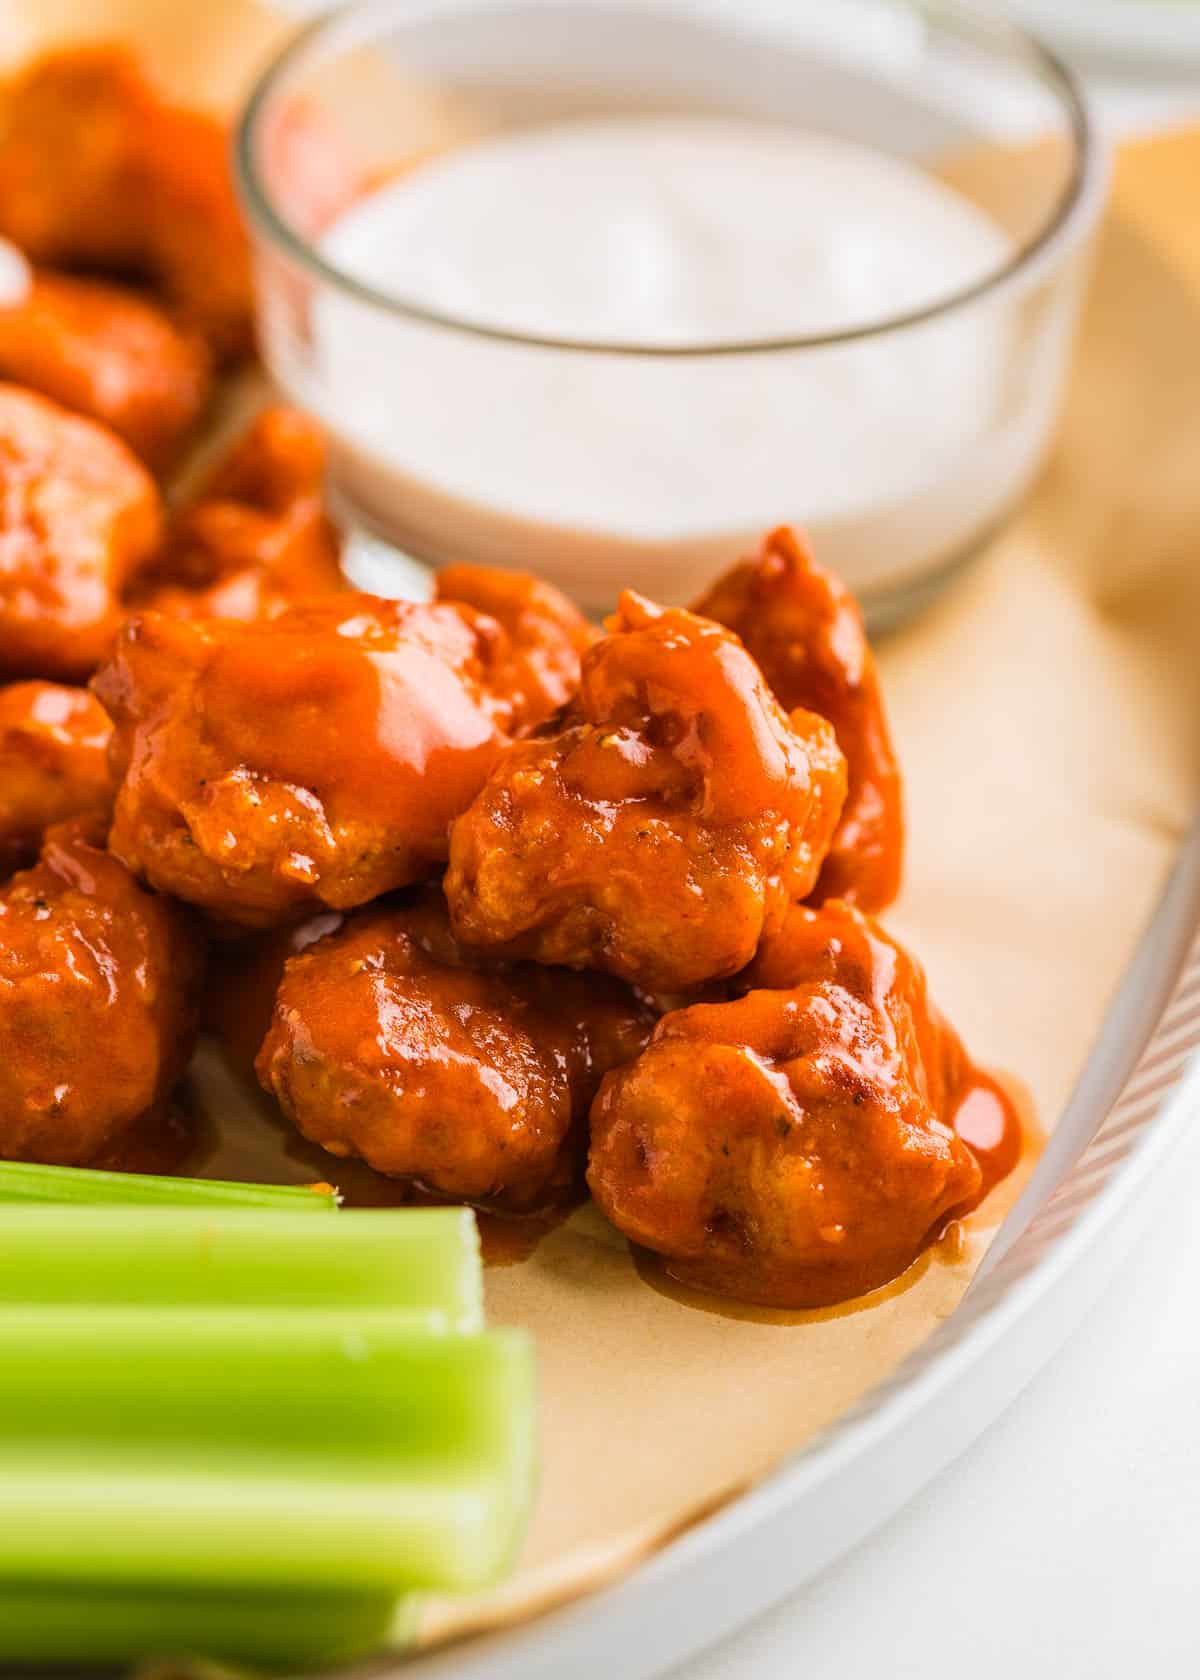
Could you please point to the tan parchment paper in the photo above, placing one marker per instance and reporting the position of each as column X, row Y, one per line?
column 1048, row 716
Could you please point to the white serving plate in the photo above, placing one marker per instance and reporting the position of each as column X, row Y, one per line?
column 1056, row 1253
column 1165, row 32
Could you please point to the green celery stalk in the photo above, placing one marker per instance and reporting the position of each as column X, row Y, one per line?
column 236, row 1257
column 22, row 1181
column 331, row 1450
column 68, row 1624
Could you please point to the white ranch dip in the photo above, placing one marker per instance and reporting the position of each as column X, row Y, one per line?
column 666, row 231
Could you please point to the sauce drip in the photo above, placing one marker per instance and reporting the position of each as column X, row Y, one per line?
column 990, row 1122
column 655, row 1270
column 996, row 1119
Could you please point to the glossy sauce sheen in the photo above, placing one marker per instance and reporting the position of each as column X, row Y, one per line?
column 990, row 1121
column 269, row 771
column 388, row 1043
column 668, row 822
column 797, row 1146
column 803, row 627
column 315, row 760
column 537, row 671
column 98, row 990
column 380, row 728
column 79, row 517
column 1014, row 1143
column 53, row 765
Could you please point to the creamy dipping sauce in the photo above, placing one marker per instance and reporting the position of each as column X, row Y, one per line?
column 666, row 231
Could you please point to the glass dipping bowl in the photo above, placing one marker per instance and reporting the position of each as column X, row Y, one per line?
column 899, row 441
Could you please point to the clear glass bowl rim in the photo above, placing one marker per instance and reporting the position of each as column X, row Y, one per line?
column 1065, row 226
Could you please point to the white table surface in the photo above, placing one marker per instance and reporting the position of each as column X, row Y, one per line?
column 1065, row 1545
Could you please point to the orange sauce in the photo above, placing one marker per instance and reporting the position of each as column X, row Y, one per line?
column 998, row 1122
column 508, row 1239
column 654, row 1270
column 990, row 1122
column 1006, row 1152
column 161, row 1142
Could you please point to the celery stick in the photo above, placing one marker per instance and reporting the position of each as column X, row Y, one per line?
column 22, row 1181
column 69, row 1624
column 280, row 1450
column 236, row 1257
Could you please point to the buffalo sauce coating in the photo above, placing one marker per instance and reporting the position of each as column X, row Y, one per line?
column 79, row 517
column 98, row 983
column 109, row 353
column 796, row 1146
column 664, row 827
column 53, row 764
column 243, row 980
column 804, row 628
column 254, row 538
column 979, row 1108
column 544, row 637
column 163, row 1141
column 100, row 173
column 268, row 771
column 387, row 1044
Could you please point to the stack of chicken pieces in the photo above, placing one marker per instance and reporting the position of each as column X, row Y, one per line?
column 535, row 902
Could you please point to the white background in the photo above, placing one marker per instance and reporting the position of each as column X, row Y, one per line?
column 1066, row 1544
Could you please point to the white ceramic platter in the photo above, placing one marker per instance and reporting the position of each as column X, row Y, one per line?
column 1050, row 1262
column 1143, row 32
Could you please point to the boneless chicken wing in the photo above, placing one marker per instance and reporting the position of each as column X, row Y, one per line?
column 544, row 639
column 69, row 125
column 254, row 537
column 79, row 517
column 113, row 355
column 97, row 171
column 796, row 1146
column 53, row 764
column 804, row 628
column 664, row 827
column 268, row 771
column 387, row 1044
column 98, row 985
